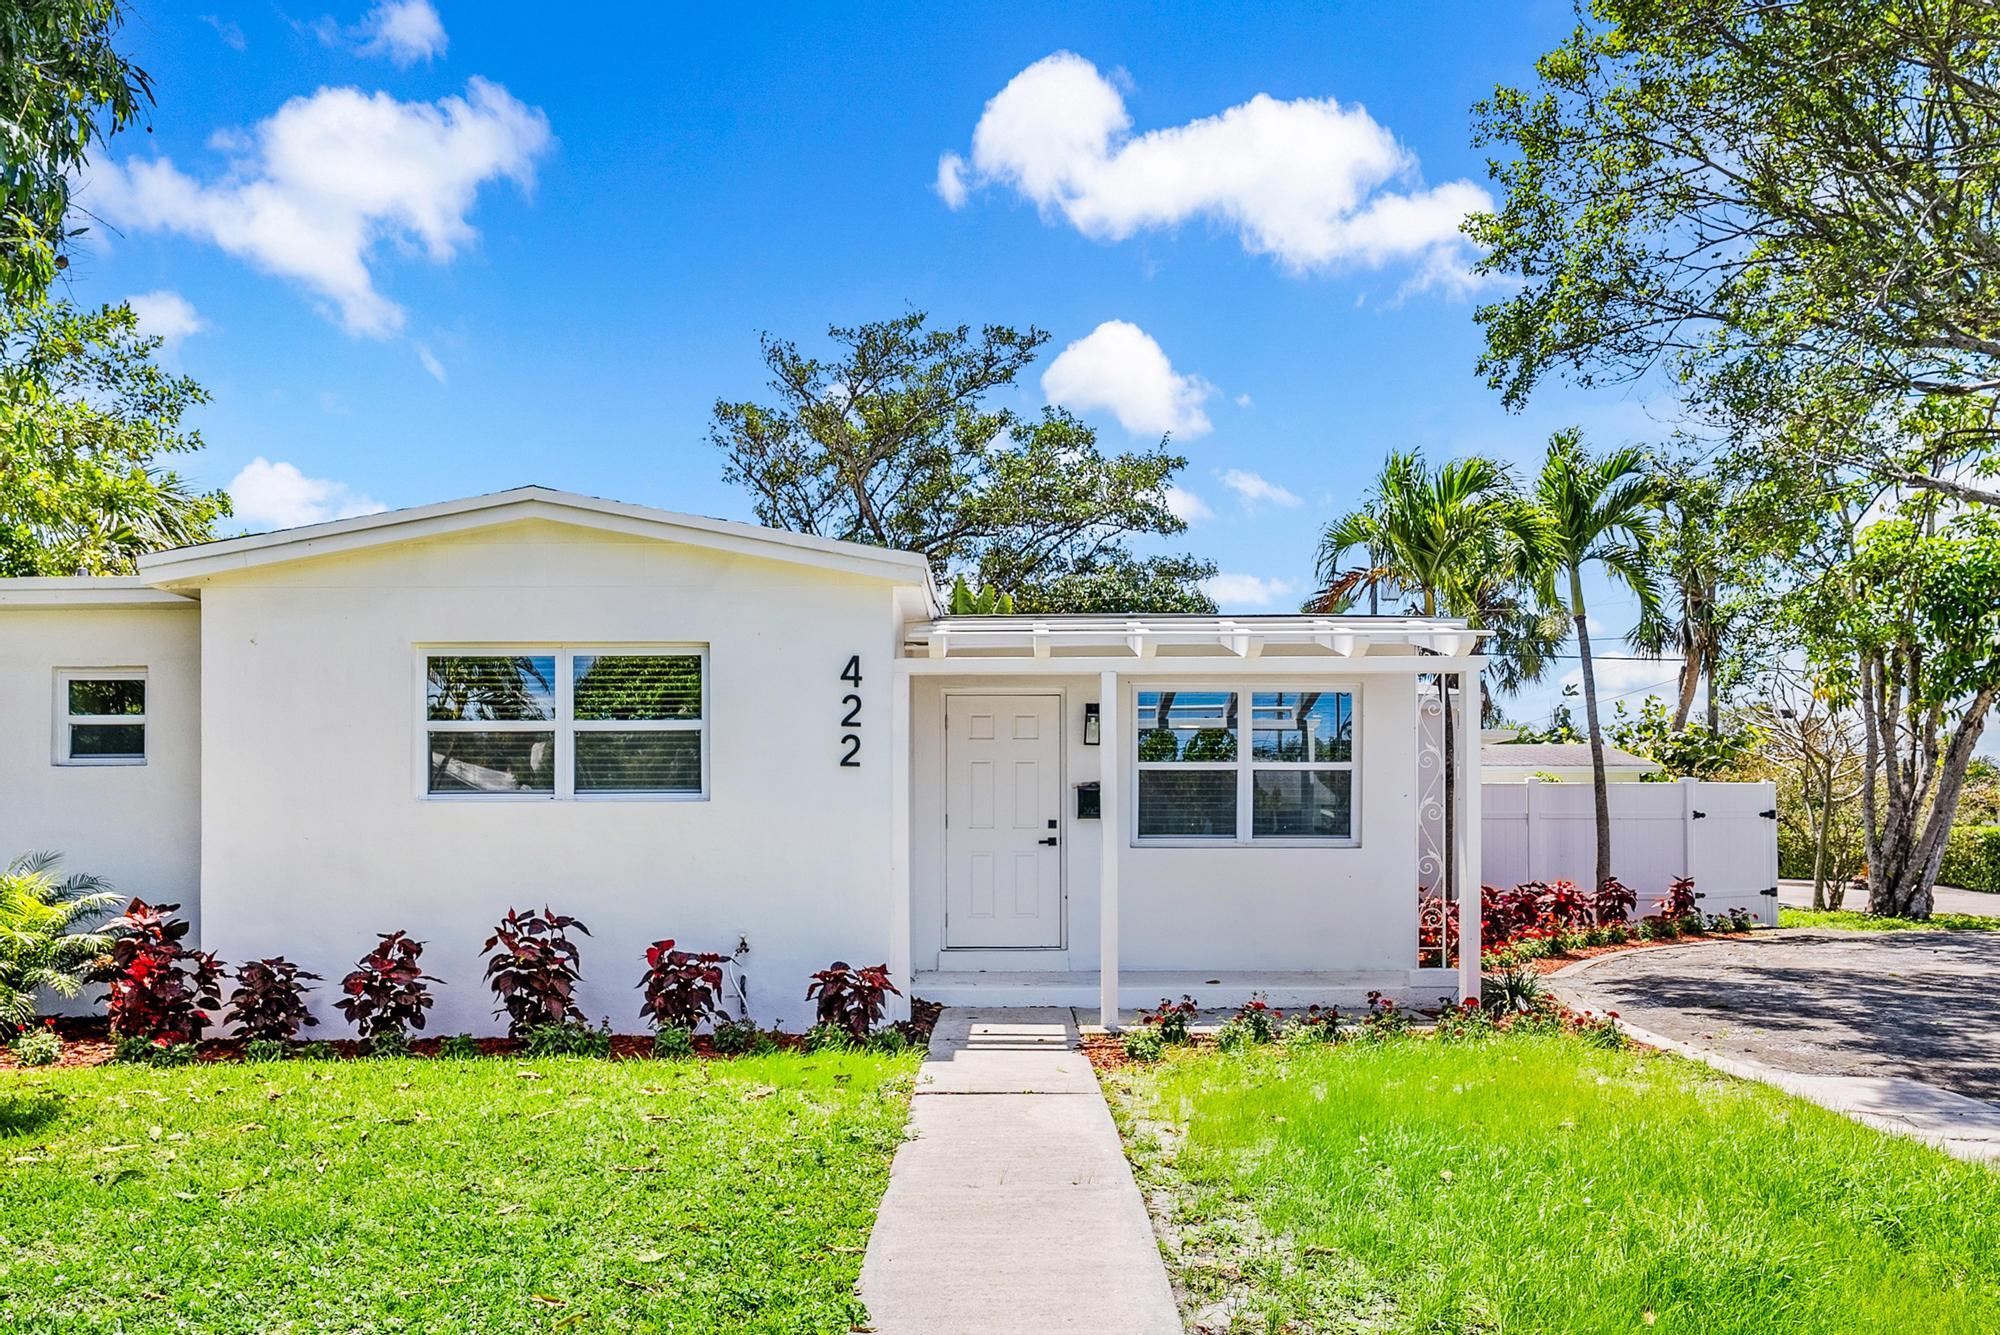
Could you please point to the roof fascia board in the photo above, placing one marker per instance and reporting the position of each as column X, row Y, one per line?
column 99, row 591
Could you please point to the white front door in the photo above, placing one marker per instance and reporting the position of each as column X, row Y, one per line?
column 1003, row 818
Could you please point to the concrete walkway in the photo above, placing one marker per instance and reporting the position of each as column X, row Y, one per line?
column 1011, row 1208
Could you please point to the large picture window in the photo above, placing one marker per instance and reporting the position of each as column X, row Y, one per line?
column 101, row 716
column 566, row 723
column 1206, row 772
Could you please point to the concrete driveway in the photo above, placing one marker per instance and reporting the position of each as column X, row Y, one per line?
column 1911, row 1005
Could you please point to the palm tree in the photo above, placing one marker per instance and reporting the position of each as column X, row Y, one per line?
column 1450, row 540
column 1698, row 613
column 40, row 944
column 1592, row 510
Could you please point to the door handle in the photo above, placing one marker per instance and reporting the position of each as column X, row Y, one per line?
column 1050, row 841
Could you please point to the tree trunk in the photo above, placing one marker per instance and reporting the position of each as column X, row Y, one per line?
column 1714, row 706
column 1690, row 679
column 1599, row 790
column 1823, row 827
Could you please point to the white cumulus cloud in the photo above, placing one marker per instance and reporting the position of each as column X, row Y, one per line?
column 1309, row 181
column 1186, row 506
column 271, row 495
column 405, row 31
column 166, row 315
column 1119, row 368
column 430, row 363
column 1254, row 490
column 318, row 189
column 1236, row 592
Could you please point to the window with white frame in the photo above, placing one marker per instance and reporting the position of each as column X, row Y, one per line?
column 566, row 723
column 101, row 716
column 1205, row 773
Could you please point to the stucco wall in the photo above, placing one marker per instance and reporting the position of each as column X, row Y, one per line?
column 1203, row 908
column 135, row 825
column 318, row 837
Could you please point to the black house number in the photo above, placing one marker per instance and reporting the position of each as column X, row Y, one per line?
column 850, row 758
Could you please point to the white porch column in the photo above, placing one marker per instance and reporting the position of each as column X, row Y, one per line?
column 899, row 842
column 1469, row 835
column 1111, row 828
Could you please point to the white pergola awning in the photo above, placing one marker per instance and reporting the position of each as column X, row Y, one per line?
column 973, row 638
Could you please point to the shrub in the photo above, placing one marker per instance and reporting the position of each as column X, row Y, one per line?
column 1971, row 858
column 568, row 1040
column 266, row 1050
column 1733, row 920
column 1598, row 1030
column 1260, row 1022
column 1173, row 1019
column 40, row 946
column 160, row 990
column 1314, row 1024
column 889, row 1042
column 389, row 1043
column 851, row 998
column 387, row 992
column 1385, row 1019
column 681, row 988
column 38, row 1047
column 1679, row 901
column 459, row 1047
column 534, row 969
column 315, row 1051
column 824, row 1037
column 1613, row 902
column 269, row 1000
column 1232, row 1035
column 1144, row 1044
column 1513, row 991
column 1460, row 1020
column 741, row 1037
column 1564, row 908
column 672, row 1043
column 152, row 1052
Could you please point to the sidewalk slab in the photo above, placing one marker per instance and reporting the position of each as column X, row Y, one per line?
column 1011, row 1207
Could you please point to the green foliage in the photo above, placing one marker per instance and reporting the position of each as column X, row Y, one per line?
column 66, row 91
column 1144, row 1044
column 568, row 1040
column 829, row 1038
column 266, row 1050
column 1972, row 858
column 1849, row 920
column 459, row 1047
column 388, row 1043
column 1683, row 752
column 889, row 1041
column 1233, row 1035
column 42, row 945
column 86, row 419
column 1696, row 189
column 893, row 443
column 733, row 1038
column 135, row 1051
column 520, row 1203
column 985, row 601
column 673, row 1043
column 37, row 1047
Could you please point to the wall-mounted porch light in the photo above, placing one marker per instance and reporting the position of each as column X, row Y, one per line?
column 1090, row 725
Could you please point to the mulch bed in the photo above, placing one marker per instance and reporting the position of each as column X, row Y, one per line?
column 87, row 1042
column 1557, row 963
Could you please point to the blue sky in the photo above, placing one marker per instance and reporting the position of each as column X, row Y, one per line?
column 420, row 250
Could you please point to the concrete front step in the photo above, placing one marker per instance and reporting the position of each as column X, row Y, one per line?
column 1143, row 989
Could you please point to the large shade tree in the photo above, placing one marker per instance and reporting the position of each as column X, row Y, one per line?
column 1790, row 208
column 896, row 441
column 1594, row 511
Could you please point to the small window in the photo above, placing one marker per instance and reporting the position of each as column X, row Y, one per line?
column 1198, row 780
column 101, row 717
column 566, row 723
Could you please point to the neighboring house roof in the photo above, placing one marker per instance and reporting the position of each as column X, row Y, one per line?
column 1555, row 755
column 86, row 591
column 501, row 507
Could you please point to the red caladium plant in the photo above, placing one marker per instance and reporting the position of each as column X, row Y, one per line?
column 269, row 1000
column 386, row 993
column 681, row 988
column 1679, row 900
column 534, row 969
column 1613, row 902
column 850, row 998
column 160, row 990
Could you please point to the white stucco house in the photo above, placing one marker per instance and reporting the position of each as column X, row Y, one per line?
column 672, row 726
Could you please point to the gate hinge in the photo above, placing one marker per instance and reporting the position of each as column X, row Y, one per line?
column 1701, row 815
column 1699, row 895
column 1772, row 814
column 1772, row 892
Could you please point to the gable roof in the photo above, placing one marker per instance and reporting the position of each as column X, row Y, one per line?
column 184, row 564
column 1556, row 755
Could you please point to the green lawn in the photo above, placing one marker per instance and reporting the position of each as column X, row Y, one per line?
column 1849, row 921
column 1529, row 1183
column 482, row 1195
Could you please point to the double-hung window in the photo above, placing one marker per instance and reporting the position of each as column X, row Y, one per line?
column 563, row 723
column 1244, row 767
column 101, row 716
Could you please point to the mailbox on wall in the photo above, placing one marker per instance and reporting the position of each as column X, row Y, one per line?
column 1087, row 802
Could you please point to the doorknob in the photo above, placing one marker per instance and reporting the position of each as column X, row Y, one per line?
column 1050, row 841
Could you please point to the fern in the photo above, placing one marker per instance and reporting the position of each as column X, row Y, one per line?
column 40, row 944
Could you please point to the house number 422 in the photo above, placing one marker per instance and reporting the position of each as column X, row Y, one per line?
column 850, row 756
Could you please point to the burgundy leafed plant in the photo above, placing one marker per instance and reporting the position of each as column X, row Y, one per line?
column 160, row 990
column 269, row 1000
column 1564, row 907
column 534, row 969
column 1437, row 930
column 681, row 988
column 850, row 998
column 1679, row 900
column 386, row 995
column 1613, row 902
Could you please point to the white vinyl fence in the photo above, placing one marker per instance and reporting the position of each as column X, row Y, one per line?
column 1725, row 835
